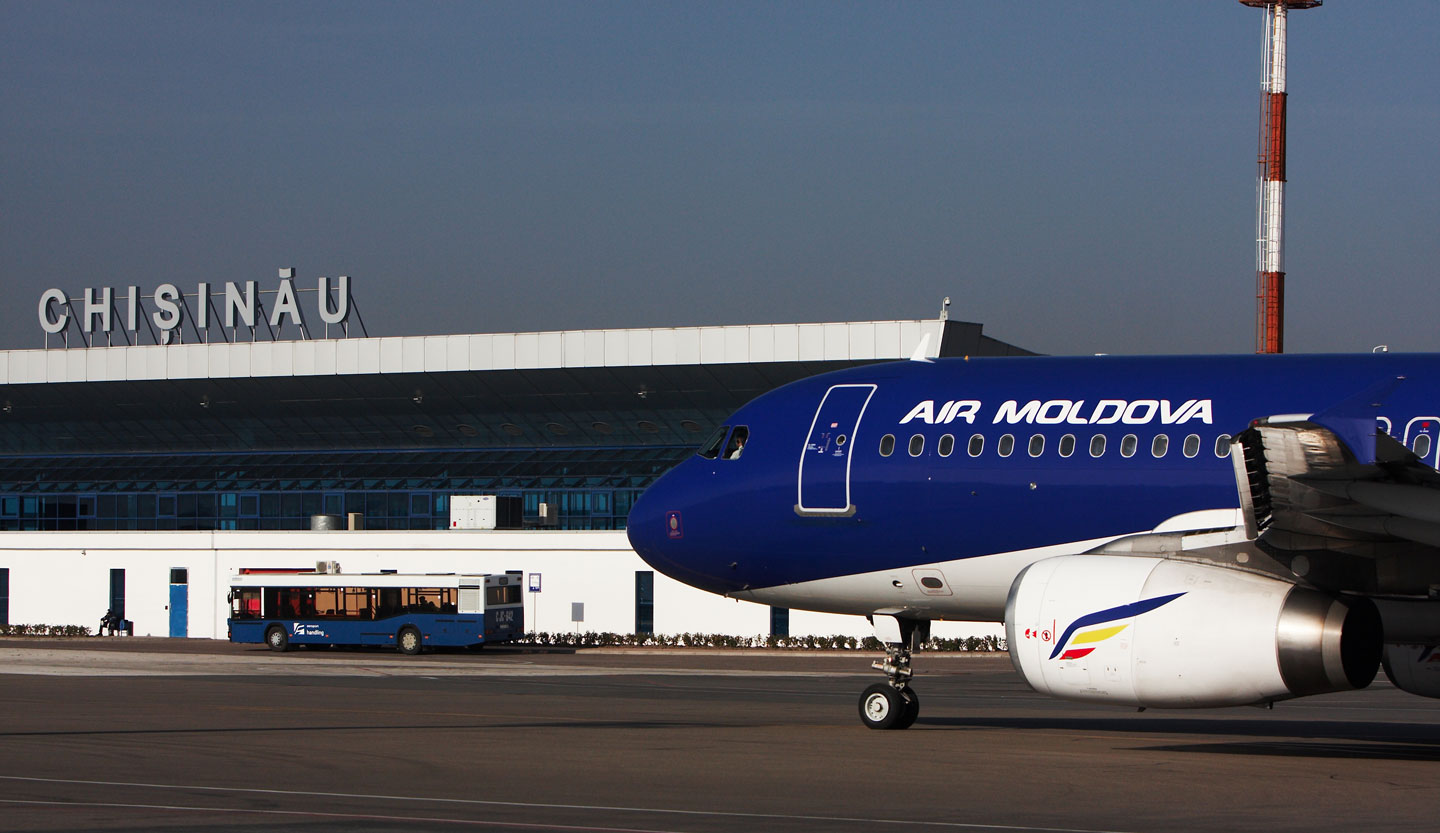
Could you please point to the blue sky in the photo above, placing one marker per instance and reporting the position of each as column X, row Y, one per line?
column 1079, row 177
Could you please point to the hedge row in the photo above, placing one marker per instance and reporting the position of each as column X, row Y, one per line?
column 44, row 630
column 716, row 640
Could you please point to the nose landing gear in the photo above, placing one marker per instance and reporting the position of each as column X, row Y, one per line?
column 893, row 704
column 882, row 706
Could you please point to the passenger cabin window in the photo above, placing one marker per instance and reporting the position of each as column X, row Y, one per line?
column 741, row 435
column 887, row 445
column 1192, row 445
column 1007, row 445
column 1067, row 445
column 1421, row 446
column 1222, row 445
column 917, row 445
column 947, row 445
column 711, row 448
column 1128, row 444
column 1097, row 445
column 1159, row 446
column 1037, row 445
column 977, row 445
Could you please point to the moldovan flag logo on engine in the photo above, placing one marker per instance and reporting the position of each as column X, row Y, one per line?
column 1086, row 633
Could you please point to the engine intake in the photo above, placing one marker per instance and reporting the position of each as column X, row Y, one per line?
column 1173, row 634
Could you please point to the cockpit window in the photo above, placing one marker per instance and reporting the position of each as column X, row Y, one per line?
column 711, row 449
column 738, row 438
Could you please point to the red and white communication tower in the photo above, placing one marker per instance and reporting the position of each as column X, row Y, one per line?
column 1270, row 219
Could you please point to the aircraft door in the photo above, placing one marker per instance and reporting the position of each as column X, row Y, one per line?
column 1422, row 436
column 825, row 460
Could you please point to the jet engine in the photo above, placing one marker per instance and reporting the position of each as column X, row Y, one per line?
column 1175, row 634
column 1412, row 645
column 1414, row 668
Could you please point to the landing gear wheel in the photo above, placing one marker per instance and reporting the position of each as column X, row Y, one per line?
column 277, row 638
column 882, row 706
column 409, row 641
column 912, row 708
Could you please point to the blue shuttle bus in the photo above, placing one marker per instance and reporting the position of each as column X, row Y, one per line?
column 406, row 612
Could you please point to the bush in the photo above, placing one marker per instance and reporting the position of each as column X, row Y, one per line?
column 809, row 642
column 44, row 630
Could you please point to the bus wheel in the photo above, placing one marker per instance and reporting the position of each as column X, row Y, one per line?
column 409, row 641
column 277, row 638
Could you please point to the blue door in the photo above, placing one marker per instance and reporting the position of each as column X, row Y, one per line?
column 825, row 460
column 179, row 603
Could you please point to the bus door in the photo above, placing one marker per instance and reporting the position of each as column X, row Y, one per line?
column 1421, row 438
column 825, row 460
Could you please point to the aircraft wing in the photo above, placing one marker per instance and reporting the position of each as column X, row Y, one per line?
column 1334, row 488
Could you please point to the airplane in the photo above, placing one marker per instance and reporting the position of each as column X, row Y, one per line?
column 1157, row 532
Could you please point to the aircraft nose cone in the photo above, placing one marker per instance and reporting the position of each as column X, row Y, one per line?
column 643, row 527
column 659, row 535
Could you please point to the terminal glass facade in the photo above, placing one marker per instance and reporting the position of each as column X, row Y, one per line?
column 588, row 487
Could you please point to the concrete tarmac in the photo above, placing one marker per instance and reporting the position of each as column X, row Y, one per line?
column 142, row 734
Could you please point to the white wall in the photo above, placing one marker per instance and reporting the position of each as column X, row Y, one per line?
column 63, row 578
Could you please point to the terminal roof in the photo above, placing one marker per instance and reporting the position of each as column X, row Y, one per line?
column 585, row 388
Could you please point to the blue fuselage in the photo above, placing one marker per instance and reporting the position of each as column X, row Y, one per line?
column 910, row 463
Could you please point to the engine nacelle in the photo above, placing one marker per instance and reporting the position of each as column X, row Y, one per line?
column 1173, row 634
column 1412, row 644
column 1414, row 668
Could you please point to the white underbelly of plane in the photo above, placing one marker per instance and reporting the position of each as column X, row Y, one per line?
column 968, row 589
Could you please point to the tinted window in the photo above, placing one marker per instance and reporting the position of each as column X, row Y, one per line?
column 711, row 448
column 1128, row 444
column 1192, row 445
column 887, row 445
column 1067, row 445
column 1037, row 445
column 947, row 445
column 917, row 445
column 977, row 445
column 1007, row 445
column 1159, row 446
column 1222, row 445
column 1097, row 445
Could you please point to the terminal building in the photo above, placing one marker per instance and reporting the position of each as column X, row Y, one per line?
column 132, row 470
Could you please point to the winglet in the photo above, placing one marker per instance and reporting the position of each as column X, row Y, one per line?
column 922, row 352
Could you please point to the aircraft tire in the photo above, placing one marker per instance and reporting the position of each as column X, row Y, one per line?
column 409, row 641
column 882, row 706
column 912, row 709
column 277, row 638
